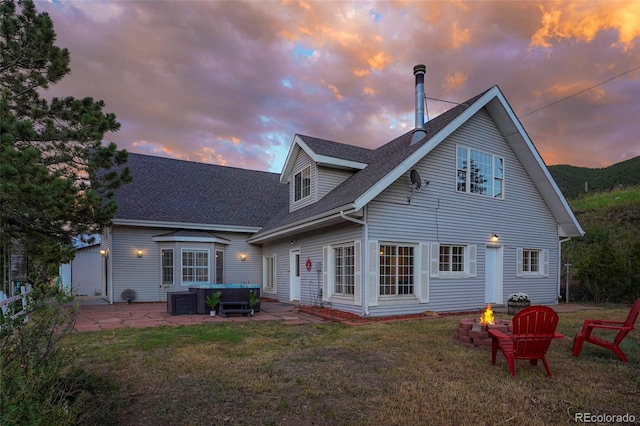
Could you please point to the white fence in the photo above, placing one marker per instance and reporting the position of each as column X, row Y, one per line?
column 8, row 304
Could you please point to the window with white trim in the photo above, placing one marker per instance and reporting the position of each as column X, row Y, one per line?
column 195, row 266
column 532, row 262
column 167, row 266
column 219, row 267
column 479, row 173
column 344, row 269
column 269, row 273
column 396, row 269
column 451, row 258
column 302, row 184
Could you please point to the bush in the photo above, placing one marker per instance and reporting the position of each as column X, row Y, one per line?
column 38, row 381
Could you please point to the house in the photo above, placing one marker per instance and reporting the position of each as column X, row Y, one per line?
column 459, row 212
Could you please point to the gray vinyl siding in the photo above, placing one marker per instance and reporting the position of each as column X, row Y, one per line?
column 310, row 246
column 143, row 274
column 437, row 213
column 303, row 161
column 329, row 178
column 85, row 271
column 105, row 264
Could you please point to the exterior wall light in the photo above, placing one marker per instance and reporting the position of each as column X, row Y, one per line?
column 103, row 252
column 139, row 253
column 495, row 238
column 243, row 257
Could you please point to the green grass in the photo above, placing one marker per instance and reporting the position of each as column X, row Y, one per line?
column 403, row 373
column 596, row 201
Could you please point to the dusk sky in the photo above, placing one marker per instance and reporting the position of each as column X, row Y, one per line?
column 231, row 83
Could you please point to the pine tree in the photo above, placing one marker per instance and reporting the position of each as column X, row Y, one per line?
column 56, row 176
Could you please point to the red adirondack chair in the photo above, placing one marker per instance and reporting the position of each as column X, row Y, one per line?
column 623, row 328
column 533, row 330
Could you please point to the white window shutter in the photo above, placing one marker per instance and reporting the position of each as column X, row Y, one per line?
column 545, row 263
column 325, row 273
column 424, row 272
column 373, row 273
column 435, row 260
column 519, row 262
column 357, row 279
column 472, row 260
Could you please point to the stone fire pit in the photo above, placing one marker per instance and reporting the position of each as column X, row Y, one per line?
column 472, row 334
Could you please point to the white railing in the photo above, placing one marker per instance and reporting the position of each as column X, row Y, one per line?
column 8, row 304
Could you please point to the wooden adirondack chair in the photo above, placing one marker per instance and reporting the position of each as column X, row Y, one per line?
column 533, row 330
column 623, row 328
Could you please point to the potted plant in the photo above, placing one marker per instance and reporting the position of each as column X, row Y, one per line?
column 212, row 301
column 128, row 294
column 517, row 301
column 254, row 301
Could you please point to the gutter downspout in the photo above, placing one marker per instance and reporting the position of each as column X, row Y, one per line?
column 559, row 269
column 365, row 264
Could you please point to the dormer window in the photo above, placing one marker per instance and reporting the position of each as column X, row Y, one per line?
column 302, row 182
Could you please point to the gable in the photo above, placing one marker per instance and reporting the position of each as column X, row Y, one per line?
column 324, row 153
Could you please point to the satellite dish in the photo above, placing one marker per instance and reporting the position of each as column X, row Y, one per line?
column 416, row 182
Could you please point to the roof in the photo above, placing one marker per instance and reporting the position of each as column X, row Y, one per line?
column 390, row 161
column 191, row 235
column 169, row 191
column 187, row 195
column 326, row 153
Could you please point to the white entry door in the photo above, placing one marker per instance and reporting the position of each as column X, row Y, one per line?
column 493, row 275
column 294, row 267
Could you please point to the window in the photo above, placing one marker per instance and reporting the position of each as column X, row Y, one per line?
column 396, row 269
column 195, row 266
column 451, row 258
column 269, row 272
column 344, row 269
column 219, row 267
column 532, row 262
column 302, row 184
column 479, row 173
column 167, row 266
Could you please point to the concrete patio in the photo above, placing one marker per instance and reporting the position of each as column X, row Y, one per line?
column 96, row 314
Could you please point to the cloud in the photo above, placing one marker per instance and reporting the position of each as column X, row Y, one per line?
column 232, row 82
column 583, row 21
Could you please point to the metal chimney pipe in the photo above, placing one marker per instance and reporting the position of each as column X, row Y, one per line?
column 419, row 133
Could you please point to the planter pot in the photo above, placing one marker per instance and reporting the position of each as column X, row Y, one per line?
column 515, row 307
column 212, row 313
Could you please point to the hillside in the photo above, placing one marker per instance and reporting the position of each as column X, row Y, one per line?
column 571, row 180
column 605, row 263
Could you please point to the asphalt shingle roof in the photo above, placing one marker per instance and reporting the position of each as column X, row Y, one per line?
column 170, row 190
column 338, row 150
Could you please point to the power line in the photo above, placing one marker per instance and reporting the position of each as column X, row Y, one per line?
column 582, row 91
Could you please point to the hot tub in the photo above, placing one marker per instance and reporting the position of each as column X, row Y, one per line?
column 229, row 293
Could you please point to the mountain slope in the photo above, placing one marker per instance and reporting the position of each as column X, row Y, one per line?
column 571, row 180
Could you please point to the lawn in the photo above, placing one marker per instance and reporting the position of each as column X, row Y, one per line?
column 401, row 373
